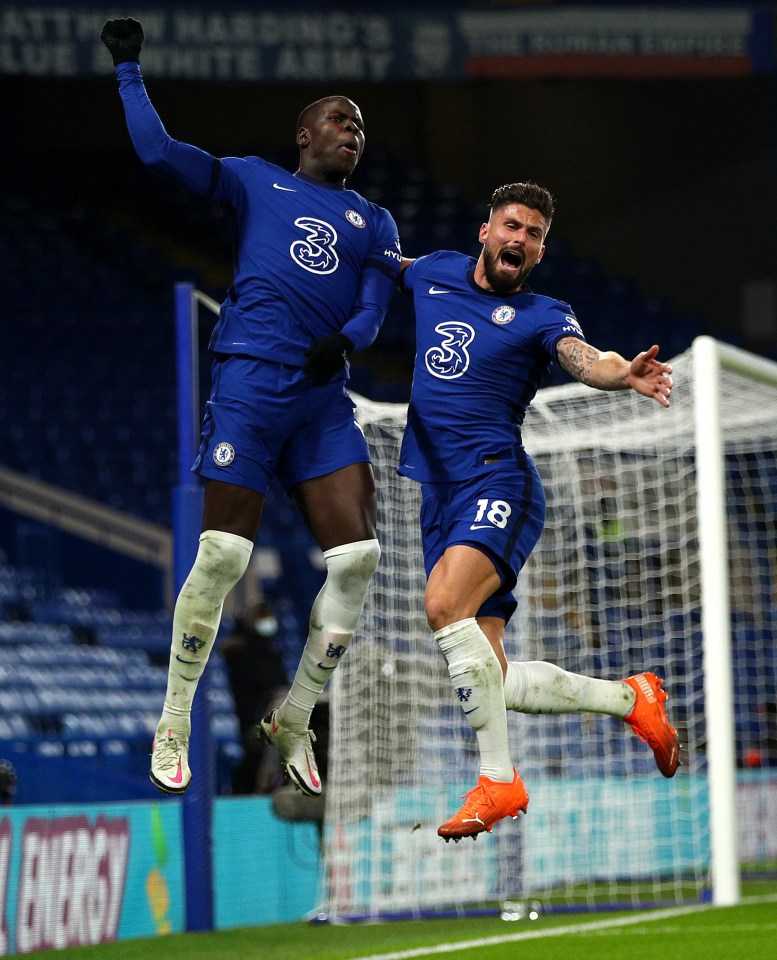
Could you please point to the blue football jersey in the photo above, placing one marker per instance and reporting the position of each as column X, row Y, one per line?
column 301, row 246
column 301, row 252
column 480, row 358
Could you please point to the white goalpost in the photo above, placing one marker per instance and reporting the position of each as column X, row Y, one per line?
column 659, row 553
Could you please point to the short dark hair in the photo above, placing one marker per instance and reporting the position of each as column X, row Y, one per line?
column 529, row 194
column 302, row 119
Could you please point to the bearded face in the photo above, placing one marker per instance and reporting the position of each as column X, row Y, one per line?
column 513, row 244
column 505, row 271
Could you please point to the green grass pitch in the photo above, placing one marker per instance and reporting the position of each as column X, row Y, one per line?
column 744, row 932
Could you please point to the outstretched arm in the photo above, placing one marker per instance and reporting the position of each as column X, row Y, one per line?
column 607, row 370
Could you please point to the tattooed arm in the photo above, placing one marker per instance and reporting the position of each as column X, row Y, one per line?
column 607, row 370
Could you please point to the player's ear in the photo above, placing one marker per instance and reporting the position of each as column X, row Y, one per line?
column 483, row 233
column 541, row 254
column 303, row 137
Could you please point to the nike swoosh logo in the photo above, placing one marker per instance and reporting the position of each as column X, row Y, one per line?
column 285, row 189
column 481, row 526
column 468, row 712
column 434, row 290
column 179, row 774
column 327, row 668
column 190, row 662
column 313, row 779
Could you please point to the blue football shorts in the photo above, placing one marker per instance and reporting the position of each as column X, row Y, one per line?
column 264, row 419
column 500, row 512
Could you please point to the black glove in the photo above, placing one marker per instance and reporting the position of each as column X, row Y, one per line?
column 124, row 39
column 326, row 356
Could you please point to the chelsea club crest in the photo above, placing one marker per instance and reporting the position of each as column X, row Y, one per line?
column 354, row 217
column 503, row 314
column 223, row 454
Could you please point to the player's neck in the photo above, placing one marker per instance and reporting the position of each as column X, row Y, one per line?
column 328, row 184
column 321, row 176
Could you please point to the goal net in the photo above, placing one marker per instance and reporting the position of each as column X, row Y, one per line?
column 613, row 588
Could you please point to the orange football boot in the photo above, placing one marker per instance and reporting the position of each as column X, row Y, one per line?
column 649, row 721
column 484, row 805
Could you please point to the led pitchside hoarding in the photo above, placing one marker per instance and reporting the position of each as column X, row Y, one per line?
column 88, row 875
column 75, row 875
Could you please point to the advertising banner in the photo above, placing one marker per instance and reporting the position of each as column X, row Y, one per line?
column 77, row 875
column 293, row 44
column 88, row 874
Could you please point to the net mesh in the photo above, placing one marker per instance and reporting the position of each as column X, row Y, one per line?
column 613, row 588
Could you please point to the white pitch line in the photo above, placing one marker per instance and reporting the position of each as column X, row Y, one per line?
column 552, row 932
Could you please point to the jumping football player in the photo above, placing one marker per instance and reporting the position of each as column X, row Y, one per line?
column 483, row 344
column 315, row 267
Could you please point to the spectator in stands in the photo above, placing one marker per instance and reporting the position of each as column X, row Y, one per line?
column 7, row 783
column 315, row 269
column 258, row 679
column 483, row 343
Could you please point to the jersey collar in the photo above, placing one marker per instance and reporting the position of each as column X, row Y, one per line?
column 319, row 183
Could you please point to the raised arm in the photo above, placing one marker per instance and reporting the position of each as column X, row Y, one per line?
column 184, row 164
column 607, row 370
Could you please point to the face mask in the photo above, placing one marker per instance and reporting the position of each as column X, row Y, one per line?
column 266, row 626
